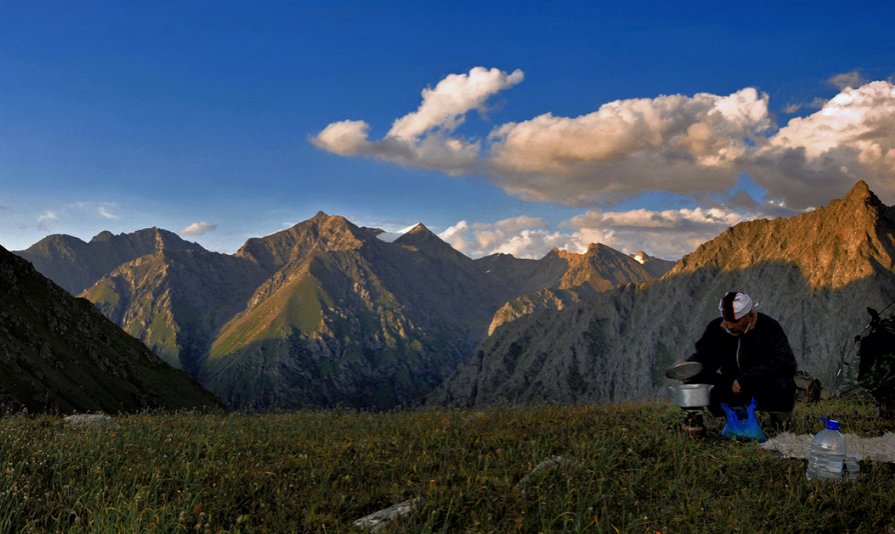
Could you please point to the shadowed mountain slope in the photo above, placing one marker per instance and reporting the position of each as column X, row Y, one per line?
column 58, row 353
column 815, row 273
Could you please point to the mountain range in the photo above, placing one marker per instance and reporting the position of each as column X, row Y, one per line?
column 59, row 354
column 327, row 314
column 815, row 273
column 321, row 314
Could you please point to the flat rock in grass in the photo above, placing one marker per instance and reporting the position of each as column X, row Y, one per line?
column 90, row 420
column 377, row 520
column 546, row 464
column 878, row 449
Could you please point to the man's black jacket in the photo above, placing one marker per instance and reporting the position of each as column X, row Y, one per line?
column 764, row 353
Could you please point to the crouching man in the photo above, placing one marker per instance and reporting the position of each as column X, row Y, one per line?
column 745, row 354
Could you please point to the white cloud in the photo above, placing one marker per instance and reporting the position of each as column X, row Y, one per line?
column 692, row 145
column 103, row 209
column 818, row 157
column 518, row 236
column 423, row 138
column 847, row 80
column 346, row 138
column 198, row 228
column 673, row 143
column 46, row 216
column 668, row 234
column 446, row 105
column 106, row 213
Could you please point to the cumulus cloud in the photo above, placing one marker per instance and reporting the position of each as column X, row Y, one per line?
column 673, row 143
column 818, row 157
column 663, row 233
column 668, row 234
column 519, row 236
column 198, row 228
column 446, row 105
column 695, row 145
column 423, row 138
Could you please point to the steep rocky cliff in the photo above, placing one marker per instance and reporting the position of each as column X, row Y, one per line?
column 815, row 273
column 58, row 353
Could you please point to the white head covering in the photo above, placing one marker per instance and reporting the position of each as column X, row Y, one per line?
column 735, row 305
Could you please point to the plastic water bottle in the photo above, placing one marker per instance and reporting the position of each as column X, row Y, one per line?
column 827, row 455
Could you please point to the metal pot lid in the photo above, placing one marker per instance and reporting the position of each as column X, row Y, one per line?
column 683, row 371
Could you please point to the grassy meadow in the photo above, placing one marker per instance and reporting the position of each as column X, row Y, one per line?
column 627, row 469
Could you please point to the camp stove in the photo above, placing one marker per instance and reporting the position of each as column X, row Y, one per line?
column 693, row 424
column 691, row 398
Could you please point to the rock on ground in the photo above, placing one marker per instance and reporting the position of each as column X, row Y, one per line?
column 879, row 449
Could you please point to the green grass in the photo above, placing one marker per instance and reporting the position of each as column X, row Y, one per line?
column 628, row 470
column 295, row 306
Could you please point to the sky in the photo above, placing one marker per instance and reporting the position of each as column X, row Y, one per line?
column 511, row 127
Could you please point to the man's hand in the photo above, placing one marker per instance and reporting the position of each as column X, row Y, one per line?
column 736, row 387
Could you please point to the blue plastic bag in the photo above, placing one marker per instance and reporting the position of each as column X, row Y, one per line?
column 742, row 427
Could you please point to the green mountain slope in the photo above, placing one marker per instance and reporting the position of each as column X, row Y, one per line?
column 175, row 301
column 350, row 320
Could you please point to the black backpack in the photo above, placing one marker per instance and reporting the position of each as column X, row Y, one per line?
column 876, row 359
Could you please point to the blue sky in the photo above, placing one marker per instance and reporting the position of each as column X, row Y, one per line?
column 643, row 125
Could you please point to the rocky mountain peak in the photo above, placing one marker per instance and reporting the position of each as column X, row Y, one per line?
column 322, row 231
column 655, row 266
column 860, row 193
column 76, row 265
column 418, row 228
column 103, row 236
column 422, row 238
column 420, row 231
column 601, row 267
column 832, row 246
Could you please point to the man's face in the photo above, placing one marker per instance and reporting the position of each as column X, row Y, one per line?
column 739, row 327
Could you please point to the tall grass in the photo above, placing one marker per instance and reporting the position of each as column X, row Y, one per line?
column 626, row 468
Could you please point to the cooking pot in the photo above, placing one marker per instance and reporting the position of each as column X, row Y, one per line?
column 691, row 395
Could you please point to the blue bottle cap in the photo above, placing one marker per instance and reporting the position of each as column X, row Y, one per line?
column 832, row 424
